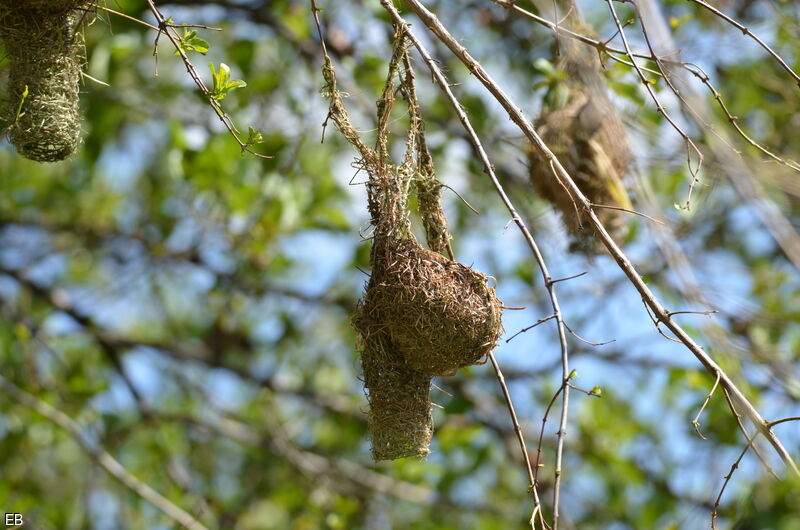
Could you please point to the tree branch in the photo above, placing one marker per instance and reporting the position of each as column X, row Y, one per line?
column 102, row 457
column 661, row 314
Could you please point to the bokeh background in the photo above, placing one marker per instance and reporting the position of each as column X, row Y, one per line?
column 189, row 305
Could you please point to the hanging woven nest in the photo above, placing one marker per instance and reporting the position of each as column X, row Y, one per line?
column 422, row 314
column 44, row 48
column 585, row 132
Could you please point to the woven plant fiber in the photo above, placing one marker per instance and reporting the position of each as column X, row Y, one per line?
column 44, row 49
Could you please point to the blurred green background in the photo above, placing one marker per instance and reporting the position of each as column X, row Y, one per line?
column 189, row 306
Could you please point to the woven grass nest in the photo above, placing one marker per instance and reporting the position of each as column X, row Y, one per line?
column 44, row 47
column 439, row 314
column 587, row 136
column 422, row 315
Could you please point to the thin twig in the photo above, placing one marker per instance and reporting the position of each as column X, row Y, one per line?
column 700, row 74
column 696, row 420
column 176, row 42
column 102, row 457
column 523, row 330
column 734, row 467
column 518, row 430
column 590, row 343
column 747, row 435
column 476, row 212
column 123, row 15
column 784, row 420
column 634, row 212
column 600, row 46
column 567, row 278
column 750, row 34
column 706, row 313
column 591, row 393
column 564, row 386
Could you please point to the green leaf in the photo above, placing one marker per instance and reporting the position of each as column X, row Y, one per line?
column 222, row 82
column 254, row 137
column 676, row 22
column 191, row 42
column 558, row 96
column 21, row 102
column 544, row 66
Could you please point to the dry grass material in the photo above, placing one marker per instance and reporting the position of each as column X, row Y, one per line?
column 44, row 47
column 439, row 314
column 587, row 136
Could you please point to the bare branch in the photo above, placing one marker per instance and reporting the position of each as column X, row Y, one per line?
column 602, row 47
column 696, row 420
column 634, row 212
column 750, row 34
column 746, row 435
column 784, row 420
column 700, row 74
column 518, row 429
column 734, row 467
column 590, row 343
column 523, row 330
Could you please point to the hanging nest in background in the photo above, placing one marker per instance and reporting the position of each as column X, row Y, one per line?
column 584, row 131
column 45, row 49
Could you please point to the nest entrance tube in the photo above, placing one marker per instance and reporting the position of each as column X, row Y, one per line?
column 44, row 48
column 422, row 314
column 401, row 424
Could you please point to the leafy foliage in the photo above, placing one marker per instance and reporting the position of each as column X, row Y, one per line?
column 190, row 306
